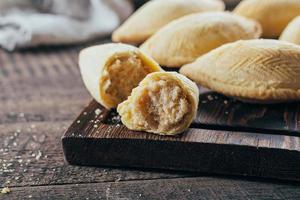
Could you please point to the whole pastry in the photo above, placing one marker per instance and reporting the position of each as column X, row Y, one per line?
column 259, row 71
column 164, row 103
column 292, row 32
column 157, row 13
column 185, row 39
column 274, row 15
column 111, row 71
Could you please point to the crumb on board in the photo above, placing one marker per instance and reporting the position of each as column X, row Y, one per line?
column 5, row 190
column 210, row 98
column 98, row 111
column 39, row 155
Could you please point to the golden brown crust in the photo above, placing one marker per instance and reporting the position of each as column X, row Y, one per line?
column 185, row 39
column 254, row 70
column 156, row 14
column 273, row 15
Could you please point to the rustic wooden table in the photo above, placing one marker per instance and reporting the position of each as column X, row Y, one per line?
column 41, row 92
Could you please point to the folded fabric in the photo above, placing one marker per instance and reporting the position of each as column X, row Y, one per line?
column 27, row 23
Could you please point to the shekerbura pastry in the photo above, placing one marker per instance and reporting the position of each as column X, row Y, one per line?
column 292, row 32
column 274, row 15
column 164, row 103
column 260, row 71
column 184, row 40
column 111, row 71
column 157, row 13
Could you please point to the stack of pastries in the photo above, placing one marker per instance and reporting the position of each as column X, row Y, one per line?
column 216, row 49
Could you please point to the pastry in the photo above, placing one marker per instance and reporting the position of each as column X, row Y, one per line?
column 292, row 32
column 274, row 15
column 164, row 103
column 157, row 13
column 185, row 39
column 111, row 71
column 259, row 71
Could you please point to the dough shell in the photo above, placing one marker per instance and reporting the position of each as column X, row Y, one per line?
column 94, row 61
column 273, row 15
column 157, row 13
column 257, row 71
column 292, row 32
column 130, row 110
column 185, row 39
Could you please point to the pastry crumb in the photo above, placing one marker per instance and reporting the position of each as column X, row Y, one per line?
column 98, row 111
column 39, row 155
column 210, row 98
column 5, row 190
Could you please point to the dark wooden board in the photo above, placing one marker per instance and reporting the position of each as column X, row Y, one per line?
column 227, row 137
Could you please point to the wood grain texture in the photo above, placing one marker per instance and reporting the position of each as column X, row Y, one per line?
column 219, row 112
column 41, row 93
column 99, row 139
column 184, row 188
column 31, row 155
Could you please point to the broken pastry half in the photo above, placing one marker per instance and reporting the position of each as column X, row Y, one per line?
column 274, row 15
column 164, row 103
column 257, row 71
column 157, row 13
column 292, row 32
column 185, row 39
column 111, row 71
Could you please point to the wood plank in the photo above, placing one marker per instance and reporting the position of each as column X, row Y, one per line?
column 40, row 100
column 187, row 188
column 31, row 154
column 101, row 140
column 219, row 112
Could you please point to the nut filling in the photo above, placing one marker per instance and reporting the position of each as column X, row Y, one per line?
column 166, row 106
column 121, row 76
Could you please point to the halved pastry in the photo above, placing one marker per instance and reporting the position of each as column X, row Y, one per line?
column 164, row 103
column 274, row 15
column 111, row 71
column 292, row 32
column 258, row 71
column 157, row 13
column 185, row 39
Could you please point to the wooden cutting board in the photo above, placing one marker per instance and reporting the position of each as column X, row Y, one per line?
column 227, row 137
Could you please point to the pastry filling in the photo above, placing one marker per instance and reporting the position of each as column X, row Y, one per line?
column 121, row 76
column 163, row 106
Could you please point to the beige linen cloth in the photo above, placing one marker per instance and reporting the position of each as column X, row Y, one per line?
column 27, row 23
